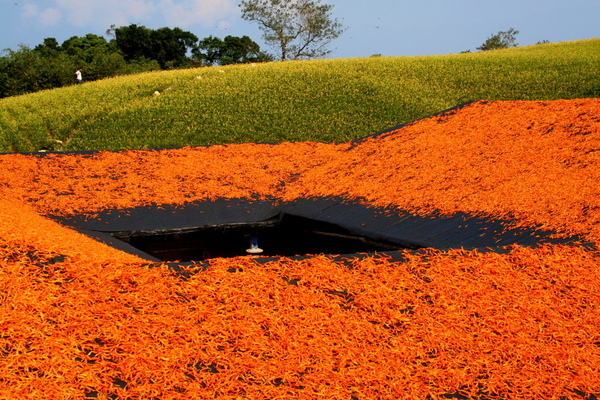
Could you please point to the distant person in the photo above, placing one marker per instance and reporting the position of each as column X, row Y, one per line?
column 78, row 76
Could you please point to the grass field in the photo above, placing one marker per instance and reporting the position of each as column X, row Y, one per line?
column 322, row 100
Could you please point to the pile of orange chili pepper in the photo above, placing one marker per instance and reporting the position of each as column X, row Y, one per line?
column 79, row 319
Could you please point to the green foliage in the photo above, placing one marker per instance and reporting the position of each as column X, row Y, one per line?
column 298, row 29
column 85, row 48
column 26, row 70
column 232, row 50
column 134, row 42
column 134, row 49
column 167, row 46
column 501, row 40
column 50, row 65
column 316, row 100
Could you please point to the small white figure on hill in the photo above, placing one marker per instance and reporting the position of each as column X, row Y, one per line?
column 78, row 76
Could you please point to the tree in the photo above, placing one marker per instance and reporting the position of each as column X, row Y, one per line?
column 231, row 50
column 167, row 46
column 133, row 42
column 208, row 50
column 296, row 28
column 170, row 46
column 49, row 47
column 26, row 71
column 99, row 58
column 501, row 40
column 85, row 49
column 240, row 50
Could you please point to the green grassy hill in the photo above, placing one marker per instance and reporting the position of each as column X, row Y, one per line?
column 321, row 100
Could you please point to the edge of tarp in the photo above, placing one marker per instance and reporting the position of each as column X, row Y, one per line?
column 405, row 229
column 443, row 113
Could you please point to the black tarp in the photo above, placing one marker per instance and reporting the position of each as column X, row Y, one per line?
column 399, row 227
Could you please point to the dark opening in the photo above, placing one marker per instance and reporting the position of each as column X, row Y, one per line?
column 286, row 235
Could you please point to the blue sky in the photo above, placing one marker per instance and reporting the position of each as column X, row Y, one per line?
column 386, row 27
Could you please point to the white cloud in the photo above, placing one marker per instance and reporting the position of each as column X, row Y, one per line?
column 30, row 10
column 50, row 17
column 190, row 12
column 105, row 12
column 47, row 17
column 101, row 14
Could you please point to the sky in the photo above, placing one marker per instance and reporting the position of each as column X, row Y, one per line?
column 384, row 27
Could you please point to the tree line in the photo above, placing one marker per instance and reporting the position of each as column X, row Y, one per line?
column 130, row 49
column 296, row 29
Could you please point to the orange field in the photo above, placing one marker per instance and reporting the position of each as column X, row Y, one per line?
column 79, row 319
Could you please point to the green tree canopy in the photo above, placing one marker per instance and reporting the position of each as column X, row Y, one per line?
column 49, row 47
column 170, row 46
column 133, row 42
column 26, row 70
column 231, row 50
column 167, row 46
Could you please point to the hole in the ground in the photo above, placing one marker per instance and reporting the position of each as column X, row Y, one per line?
column 285, row 235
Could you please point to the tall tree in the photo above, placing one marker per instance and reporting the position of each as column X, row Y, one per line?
column 501, row 40
column 170, row 46
column 134, row 41
column 296, row 28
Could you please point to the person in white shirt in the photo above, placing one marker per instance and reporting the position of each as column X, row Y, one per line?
column 78, row 76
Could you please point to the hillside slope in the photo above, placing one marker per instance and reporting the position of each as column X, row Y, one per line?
column 322, row 100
